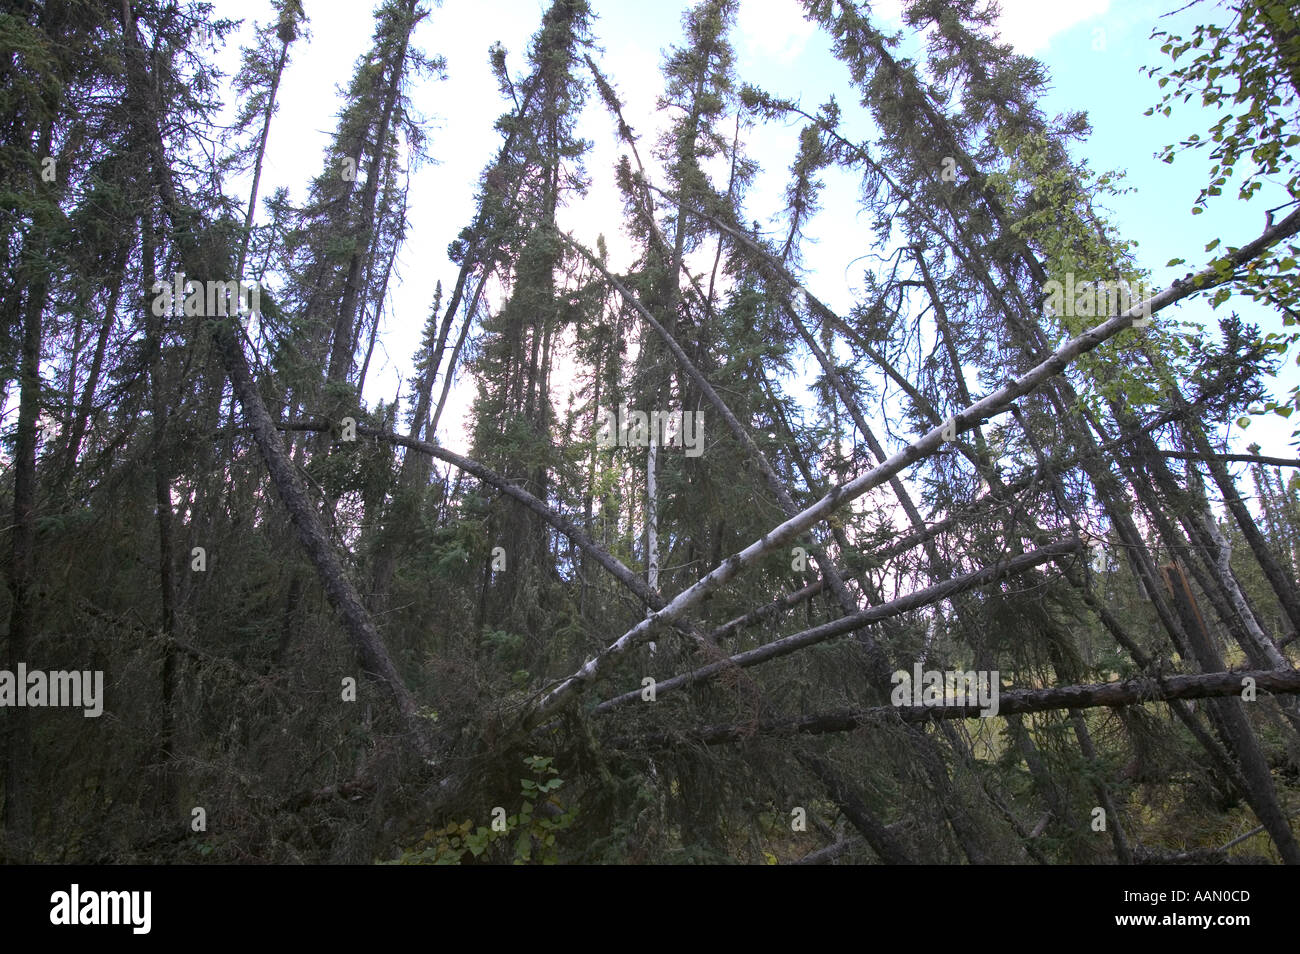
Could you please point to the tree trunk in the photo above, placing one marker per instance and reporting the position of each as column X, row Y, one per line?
column 1259, row 791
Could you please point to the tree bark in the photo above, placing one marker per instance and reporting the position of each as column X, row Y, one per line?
column 1011, row 703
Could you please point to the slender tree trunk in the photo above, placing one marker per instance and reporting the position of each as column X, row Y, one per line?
column 340, row 361
column 81, row 419
column 34, row 272
column 18, row 765
column 342, row 593
column 1259, row 791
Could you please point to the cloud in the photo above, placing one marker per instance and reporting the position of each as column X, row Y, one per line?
column 773, row 30
column 891, row 11
column 1029, row 25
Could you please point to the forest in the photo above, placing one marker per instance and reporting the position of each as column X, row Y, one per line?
column 978, row 565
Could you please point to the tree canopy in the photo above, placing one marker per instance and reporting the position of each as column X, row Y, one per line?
column 719, row 571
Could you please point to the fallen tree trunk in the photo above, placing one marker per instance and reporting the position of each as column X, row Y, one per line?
column 1014, row 702
column 847, row 624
